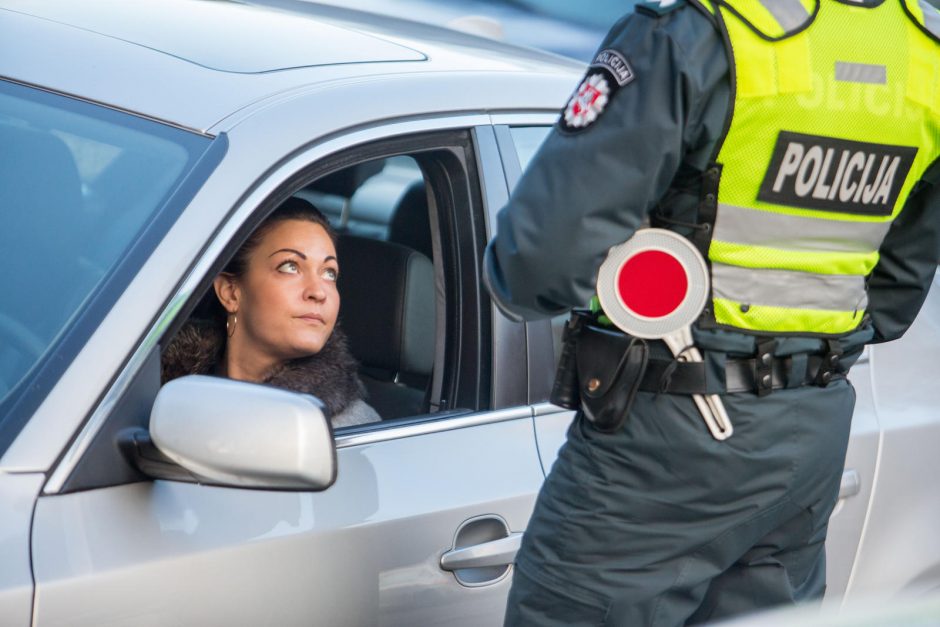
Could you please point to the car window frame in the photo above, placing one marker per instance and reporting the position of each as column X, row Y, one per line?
column 539, row 343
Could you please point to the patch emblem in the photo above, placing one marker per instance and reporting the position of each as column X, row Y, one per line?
column 588, row 102
column 607, row 73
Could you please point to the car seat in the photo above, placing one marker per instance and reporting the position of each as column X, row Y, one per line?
column 388, row 313
column 411, row 224
column 332, row 193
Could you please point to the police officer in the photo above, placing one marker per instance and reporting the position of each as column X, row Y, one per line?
column 795, row 143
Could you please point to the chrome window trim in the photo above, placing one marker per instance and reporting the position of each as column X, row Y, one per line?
column 106, row 105
column 271, row 181
column 547, row 409
column 384, row 434
column 534, row 118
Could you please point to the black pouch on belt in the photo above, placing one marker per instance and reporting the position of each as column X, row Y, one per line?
column 609, row 367
column 565, row 388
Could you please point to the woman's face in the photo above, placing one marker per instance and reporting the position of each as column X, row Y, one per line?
column 286, row 302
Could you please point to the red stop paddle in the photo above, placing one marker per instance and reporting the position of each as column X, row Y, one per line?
column 654, row 286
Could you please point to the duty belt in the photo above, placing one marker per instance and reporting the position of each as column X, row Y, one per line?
column 760, row 374
column 741, row 375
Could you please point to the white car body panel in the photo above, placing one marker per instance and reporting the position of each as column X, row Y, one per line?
column 900, row 548
column 18, row 494
column 166, row 86
column 320, row 558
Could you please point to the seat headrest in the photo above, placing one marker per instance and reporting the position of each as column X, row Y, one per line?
column 410, row 224
column 387, row 304
column 345, row 182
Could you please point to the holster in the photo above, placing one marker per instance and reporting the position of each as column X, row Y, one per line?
column 599, row 370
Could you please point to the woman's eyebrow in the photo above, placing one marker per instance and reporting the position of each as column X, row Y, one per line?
column 329, row 258
column 289, row 250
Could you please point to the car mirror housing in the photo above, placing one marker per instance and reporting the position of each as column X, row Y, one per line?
column 238, row 434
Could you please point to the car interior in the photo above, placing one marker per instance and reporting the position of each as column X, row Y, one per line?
column 380, row 211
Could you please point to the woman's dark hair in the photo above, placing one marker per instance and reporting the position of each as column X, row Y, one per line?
column 293, row 208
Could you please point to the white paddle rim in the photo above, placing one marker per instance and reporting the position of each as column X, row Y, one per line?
column 679, row 249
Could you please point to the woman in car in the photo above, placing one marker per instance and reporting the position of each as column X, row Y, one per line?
column 274, row 317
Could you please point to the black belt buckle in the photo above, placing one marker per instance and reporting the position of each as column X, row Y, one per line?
column 764, row 367
column 830, row 365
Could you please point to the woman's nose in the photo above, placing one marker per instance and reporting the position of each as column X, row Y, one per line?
column 315, row 290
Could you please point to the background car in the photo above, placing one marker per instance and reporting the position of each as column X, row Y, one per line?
column 141, row 144
column 572, row 29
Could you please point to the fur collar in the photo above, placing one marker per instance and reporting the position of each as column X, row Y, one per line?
column 330, row 375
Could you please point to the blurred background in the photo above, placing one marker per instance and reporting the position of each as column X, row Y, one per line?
column 566, row 27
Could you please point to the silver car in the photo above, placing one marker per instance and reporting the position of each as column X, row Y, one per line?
column 140, row 143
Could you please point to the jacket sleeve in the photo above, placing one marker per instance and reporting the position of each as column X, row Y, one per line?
column 589, row 189
column 908, row 261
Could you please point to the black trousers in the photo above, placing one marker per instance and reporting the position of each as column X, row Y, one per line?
column 659, row 524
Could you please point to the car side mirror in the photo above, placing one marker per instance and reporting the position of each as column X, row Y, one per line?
column 236, row 434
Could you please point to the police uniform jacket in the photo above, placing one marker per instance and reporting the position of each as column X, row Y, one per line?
column 640, row 162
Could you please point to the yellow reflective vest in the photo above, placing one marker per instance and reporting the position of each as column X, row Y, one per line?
column 835, row 116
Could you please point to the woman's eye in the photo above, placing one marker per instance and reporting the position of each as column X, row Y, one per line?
column 289, row 267
column 330, row 274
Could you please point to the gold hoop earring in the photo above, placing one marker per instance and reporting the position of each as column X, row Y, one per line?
column 230, row 325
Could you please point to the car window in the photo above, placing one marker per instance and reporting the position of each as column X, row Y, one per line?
column 527, row 140
column 405, row 230
column 380, row 213
column 79, row 185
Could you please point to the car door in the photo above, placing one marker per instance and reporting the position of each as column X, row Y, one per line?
column 519, row 138
column 899, row 553
column 423, row 521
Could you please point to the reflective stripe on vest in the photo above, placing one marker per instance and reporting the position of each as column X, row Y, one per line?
column 925, row 15
column 831, row 127
column 789, row 14
column 931, row 18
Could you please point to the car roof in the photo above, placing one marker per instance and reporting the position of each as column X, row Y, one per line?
column 195, row 62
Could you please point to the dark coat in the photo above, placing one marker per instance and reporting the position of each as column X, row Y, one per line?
column 330, row 375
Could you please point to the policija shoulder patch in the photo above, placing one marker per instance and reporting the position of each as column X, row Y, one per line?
column 840, row 175
column 608, row 72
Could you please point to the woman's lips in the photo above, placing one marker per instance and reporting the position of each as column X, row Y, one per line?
column 312, row 318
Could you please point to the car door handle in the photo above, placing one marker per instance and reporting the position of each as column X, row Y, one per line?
column 850, row 485
column 494, row 553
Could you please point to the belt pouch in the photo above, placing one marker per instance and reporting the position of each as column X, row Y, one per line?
column 565, row 388
column 610, row 368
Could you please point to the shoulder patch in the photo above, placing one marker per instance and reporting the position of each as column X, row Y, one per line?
column 659, row 8
column 607, row 73
column 587, row 103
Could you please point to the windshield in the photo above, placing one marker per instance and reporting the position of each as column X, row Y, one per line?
column 80, row 184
